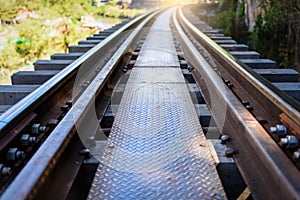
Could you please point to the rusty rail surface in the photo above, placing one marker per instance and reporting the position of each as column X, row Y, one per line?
column 65, row 103
column 61, row 104
column 267, row 170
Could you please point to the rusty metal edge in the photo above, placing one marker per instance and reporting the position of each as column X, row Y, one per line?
column 266, row 169
column 35, row 172
column 277, row 97
column 18, row 111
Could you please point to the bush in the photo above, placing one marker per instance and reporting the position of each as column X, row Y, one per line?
column 231, row 19
column 9, row 58
column 224, row 20
column 275, row 32
column 34, row 40
column 8, row 10
column 111, row 10
column 37, row 36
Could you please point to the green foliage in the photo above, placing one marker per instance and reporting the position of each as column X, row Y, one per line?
column 75, row 33
column 42, row 43
column 34, row 40
column 231, row 19
column 67, row 8
column 9, row 58
column 30, row 4
column 112, row 10
column 274, row 32
column 37, row 36
column 224, row 20
column 8, row 10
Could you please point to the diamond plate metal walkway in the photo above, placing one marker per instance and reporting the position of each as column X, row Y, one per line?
column 158, row 49
column 156, row 148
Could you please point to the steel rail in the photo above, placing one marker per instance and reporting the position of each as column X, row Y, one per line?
column 276, row 96
column 39, row 167
column 16, row 113
column 266, row 169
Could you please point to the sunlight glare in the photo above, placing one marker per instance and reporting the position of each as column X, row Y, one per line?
column 179, row 2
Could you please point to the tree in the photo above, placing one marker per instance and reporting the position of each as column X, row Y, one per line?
column 277, row 30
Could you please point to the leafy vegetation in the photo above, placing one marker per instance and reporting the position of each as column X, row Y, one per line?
column 8, row 10
column 276, row 34
column 112, row 10
column 231, row 19
column 49, row 26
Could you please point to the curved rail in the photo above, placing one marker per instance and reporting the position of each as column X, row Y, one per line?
column 259, row 155
column 278, row 98
column 50, row 151
column 268, row 172
column 17, row 112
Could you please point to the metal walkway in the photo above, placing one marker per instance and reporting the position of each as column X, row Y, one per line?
column 157, row 149
column 158, row 49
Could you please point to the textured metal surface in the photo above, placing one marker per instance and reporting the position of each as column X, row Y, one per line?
column 156, row 148
column 158, row 49
column 45, row 160
column 260, row 160
column 156, row 75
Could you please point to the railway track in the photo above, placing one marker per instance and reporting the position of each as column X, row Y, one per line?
column 95, row 115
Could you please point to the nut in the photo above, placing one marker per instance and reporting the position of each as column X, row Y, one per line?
column 229, row 152
column 26, row 140
column 37, row 128
column 85, row 152
column 15, row 154
column 224, row 139
column 249, row 107
column 289, row 142
column 296, row 155
column 4, row 170
column 279, row 130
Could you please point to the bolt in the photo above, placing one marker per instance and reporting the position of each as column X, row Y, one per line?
column 224, row 139
column 5, row 171
column 69, row 103
column 15, row 154
column 227, row 82
column 289, row 142
column 250, row 108
column 229, row 152
column 230, row 85
column 65, row 108
column 85, row 152
column 296, row 155
column 245, row 103
column 279, row 130
column 42, row 129
column 261, row 120
column 37, row 128
column 27, row 140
